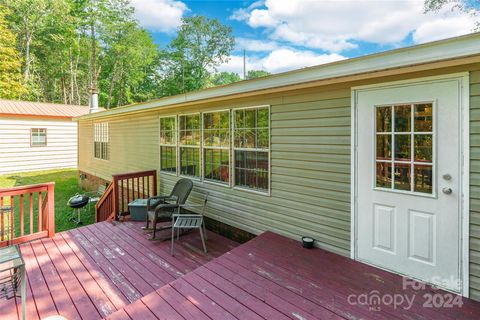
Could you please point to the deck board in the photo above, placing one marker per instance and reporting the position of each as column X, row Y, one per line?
column 275, row 278
column 95, row 271
column 114, row 271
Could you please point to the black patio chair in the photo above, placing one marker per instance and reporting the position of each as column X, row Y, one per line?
column 161, row 208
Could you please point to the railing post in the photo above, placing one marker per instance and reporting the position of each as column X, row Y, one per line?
column 115, row 197
column 51, row 210
column 154, row 183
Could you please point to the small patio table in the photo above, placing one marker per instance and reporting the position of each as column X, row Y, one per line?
column 12, row 274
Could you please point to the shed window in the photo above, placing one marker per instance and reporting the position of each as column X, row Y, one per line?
column 251, row 136
column 168, row 144
column 189, row 144
column 38, row 137
column 216, row 146
column 101, row 141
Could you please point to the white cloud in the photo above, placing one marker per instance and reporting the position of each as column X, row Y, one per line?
column 159, row 15
column 243, row 13
column 279, row 60
column 442, row 28
column 334, row 26
column 261, row 18
column 255, row 45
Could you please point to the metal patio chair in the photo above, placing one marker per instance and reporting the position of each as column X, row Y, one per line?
column 190, row 221
column 161, row 208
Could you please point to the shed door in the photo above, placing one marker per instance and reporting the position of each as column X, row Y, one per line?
column 409, row 173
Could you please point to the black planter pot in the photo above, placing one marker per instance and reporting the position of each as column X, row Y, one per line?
column 308, row 242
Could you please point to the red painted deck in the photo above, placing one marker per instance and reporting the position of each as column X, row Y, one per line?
column 112, row 271
column 272, row 277
column 92, row 271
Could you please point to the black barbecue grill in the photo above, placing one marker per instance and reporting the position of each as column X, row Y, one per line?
column 77, row 203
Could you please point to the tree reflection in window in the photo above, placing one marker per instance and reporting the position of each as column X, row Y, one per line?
column 216, row 146
column 408, row 131
column 251, row 148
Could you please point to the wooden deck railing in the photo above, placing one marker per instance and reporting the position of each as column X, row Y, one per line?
column 27, row 213
column 125, row 187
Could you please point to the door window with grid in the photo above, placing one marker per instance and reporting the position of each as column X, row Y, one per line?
column 168, row 144
column 251, row 138
column 216, row 146
column 189, row 144
column 405, row 147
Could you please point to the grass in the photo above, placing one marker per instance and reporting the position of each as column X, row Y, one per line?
column 66, row 185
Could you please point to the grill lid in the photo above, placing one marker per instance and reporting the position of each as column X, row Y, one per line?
column 78, row 201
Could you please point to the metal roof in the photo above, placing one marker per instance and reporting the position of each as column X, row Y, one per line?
column 41, row 109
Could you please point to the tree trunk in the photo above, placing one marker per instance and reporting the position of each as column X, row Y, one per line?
column 71, row 75
column 112, row 83
column 27, row 48
column 121, row 93
column 75, row 80
column 64, row 90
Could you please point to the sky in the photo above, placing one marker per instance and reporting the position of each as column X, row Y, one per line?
column 282, row 35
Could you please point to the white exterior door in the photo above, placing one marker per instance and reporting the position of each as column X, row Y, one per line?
column 409, row 180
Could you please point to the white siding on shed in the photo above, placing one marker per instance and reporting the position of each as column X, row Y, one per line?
column 16, row 154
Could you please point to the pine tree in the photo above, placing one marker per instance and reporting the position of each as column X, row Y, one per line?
column 11, row 86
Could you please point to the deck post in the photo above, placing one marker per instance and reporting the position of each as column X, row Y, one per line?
column 51, row 210
column 115, row 197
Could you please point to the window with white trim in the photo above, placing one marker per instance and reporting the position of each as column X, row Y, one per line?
column 38, row 137
column 251, row 148
column 168, row 144
column 189, row 144
column 101, row 145
column 216, row 146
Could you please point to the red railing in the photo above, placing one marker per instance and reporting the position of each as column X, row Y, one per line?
column 19, row 225
column 105, row 207
column 125, row 188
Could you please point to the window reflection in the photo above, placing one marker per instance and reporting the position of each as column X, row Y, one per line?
column 190, row 161
column 168, row 159
column 402, row 147
column 402, row 176
column 423, row 117
column 423, row 178
column 402, row 118
column 384, row 147
column 384, row 119
column 412, row 164
column 384, row 175
column 423, row 146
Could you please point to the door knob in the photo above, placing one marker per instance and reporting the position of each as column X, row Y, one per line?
column 447, row 190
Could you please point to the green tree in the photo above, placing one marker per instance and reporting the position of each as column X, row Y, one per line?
column 253, row 74
column 223, row 78
column 472, row 6
column 127, row 63
column 11, row 86
column 201, row 45
column 70, row 46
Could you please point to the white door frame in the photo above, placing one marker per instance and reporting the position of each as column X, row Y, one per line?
column 464, row 128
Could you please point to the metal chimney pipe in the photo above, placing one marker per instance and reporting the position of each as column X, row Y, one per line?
column 94, row 101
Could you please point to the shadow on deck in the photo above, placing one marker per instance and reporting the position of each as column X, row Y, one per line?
column 92, row 271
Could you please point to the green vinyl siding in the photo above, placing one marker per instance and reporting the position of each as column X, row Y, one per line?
column 310, row 165
column 475, row 185
column 310, row 175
